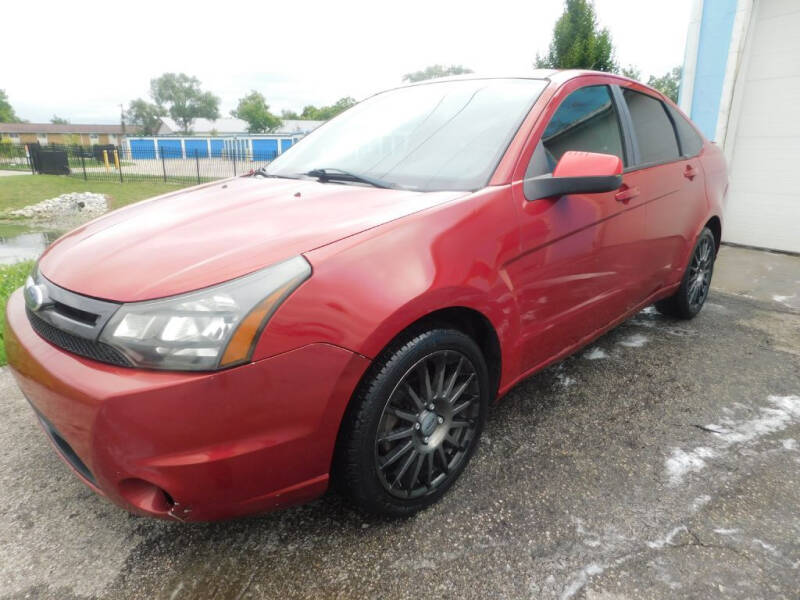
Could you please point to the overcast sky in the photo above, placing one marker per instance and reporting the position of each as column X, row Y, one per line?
column 80, row 60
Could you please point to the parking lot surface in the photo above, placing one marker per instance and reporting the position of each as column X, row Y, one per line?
column 663, row 461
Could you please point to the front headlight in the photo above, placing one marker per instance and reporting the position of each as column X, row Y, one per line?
column 207, row 329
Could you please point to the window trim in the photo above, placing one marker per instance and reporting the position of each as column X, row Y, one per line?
column 681, row 154
column 626, row 122
column 636, row 165
column 674, row 115
column 626, row 139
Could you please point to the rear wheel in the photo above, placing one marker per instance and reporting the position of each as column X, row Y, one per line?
column 414, row 423
column 687, row 301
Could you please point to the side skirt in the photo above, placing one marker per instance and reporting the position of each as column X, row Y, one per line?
column 588, row 339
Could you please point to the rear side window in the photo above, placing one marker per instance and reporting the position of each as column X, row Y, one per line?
column 691, row 142
column 587, row 121
column 652, row 128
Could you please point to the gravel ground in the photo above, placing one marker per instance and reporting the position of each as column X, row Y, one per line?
column 661, row 462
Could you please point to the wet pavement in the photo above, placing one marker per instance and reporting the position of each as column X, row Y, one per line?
column 661, row 462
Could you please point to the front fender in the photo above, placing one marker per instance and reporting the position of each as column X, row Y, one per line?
column 368, row 288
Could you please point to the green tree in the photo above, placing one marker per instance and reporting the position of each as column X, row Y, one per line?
column 7, row 114
column 289, row 114
column 668, row 84
column 182, row 97
column 631, row 71
column 323, row 113
column 144, row 116
column 254, row 109
column 578, row 42
column 309, row 112
column 341, row 105
column 435, row 71
column 56, row 120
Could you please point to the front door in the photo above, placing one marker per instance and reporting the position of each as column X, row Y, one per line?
column 578, row 263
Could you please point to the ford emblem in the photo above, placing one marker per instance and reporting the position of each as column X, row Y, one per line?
column 35, row 295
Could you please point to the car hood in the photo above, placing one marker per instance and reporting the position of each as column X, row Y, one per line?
column 196, row 238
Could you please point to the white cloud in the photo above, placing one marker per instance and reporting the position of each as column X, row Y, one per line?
column 82, row 60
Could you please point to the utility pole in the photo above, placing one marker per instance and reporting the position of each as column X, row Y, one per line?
column 122, row 119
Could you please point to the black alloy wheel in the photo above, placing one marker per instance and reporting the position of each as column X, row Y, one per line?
column 700, row 270
column 413, row 423
column 428, row 424
column 687, row 301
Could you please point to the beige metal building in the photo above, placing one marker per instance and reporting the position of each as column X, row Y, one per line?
column 48, row 133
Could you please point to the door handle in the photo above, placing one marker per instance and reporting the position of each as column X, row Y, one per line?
column 690, row 172
column 626, row 194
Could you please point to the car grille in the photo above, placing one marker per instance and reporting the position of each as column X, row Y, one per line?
column 77, row 345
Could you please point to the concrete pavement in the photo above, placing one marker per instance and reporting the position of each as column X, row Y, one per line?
column 661, row 462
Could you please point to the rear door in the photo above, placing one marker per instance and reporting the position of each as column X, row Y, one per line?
column 670, row 183
column 694, row 196
column 577, row 266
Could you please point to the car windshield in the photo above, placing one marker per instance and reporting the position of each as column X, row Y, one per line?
column 448, row 135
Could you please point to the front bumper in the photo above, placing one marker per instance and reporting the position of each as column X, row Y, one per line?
column 191, row 446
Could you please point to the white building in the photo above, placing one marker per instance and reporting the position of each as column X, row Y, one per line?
column 741, row 85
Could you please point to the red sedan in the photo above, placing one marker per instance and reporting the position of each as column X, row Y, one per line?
column 349, row 313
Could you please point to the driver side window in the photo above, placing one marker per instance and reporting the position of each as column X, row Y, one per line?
column 586, row 121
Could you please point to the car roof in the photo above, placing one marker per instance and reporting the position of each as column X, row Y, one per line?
column 554, row 76
column 557, row 76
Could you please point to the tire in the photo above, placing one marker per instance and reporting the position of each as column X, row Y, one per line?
column 688, row 300
column 395, row 455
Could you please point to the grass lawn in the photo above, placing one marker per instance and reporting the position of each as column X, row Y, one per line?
column 13, row 228
column 11, row 277
column 23, row 166
column 17, row 191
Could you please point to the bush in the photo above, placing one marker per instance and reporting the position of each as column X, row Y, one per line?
column 11, row 277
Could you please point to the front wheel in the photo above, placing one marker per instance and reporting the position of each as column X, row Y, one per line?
column 414, row 423
column 687, row 301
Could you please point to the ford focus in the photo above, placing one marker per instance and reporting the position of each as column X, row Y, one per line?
column 349, row 313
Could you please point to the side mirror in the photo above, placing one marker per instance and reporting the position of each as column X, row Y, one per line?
column 577, row 173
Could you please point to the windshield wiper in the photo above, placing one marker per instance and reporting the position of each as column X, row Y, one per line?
column 263, row 173
column 330, row 174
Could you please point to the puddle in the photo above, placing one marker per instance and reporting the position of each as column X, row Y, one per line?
column 18, row 244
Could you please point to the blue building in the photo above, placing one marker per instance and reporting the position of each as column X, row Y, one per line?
column 219, row 138
column 741, row 86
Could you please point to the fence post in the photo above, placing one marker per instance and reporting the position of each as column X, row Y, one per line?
column 197, row 162
column 83, row 166
column 163, row 164
column 119, row 164
column 29, row 156
column 234, row 161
